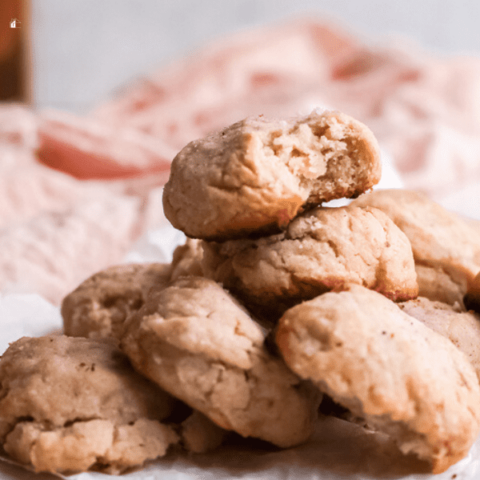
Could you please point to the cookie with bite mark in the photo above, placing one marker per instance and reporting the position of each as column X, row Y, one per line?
column 256, row 175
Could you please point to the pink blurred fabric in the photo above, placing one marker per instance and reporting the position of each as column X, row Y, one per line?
column 424, row 110
column 88, row 149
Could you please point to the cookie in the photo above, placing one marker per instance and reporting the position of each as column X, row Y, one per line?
column 257, row 174
column 472, row 297
column 199, row 344
column 438, row 285
column 444, row 244
column 461, row 328
column 98, row 307
column 187, row 259
column 322, row 249
column 199, row 434
column 72, row 404
column 387, row 367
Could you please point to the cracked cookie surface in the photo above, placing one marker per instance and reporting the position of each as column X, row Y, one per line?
column 98, row 307
column 257, row 175
column 385, row 366
column 200, row 345
column 445, row 246
column 322, row 249
column 72, row 404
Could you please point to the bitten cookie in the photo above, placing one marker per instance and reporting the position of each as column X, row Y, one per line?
column 257, row 175
column 98, row 307
column 198, row 343
column 322, row 249
column 461, row 328
column 72, row 404
column 387, row 367
column 445, row 246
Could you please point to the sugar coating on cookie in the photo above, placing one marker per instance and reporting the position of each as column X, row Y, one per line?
column 443, row 244
column 98, row 307
column 461, row 328
column 387, row 367
column 199, row 344
column 257, row 174
column 322, row 249
column 72, row 404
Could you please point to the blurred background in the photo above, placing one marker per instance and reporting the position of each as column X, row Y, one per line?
column 81, row 51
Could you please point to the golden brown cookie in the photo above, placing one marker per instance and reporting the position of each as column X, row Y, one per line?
column 187, row 259
column 322, row 249
column 72, row 404
column 199, row 434
column 438, row 285
column 98, row 307
column 198, row 343
column 387, row 367
column 461, row 328
column 257, row 175
column 446, row 247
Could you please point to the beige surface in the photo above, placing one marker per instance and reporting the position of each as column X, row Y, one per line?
column 70, row 404
column 256, row 175
column 320, row 250
column 196, row 342
column 383, row 365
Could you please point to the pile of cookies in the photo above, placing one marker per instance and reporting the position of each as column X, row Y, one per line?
column 274, row 305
